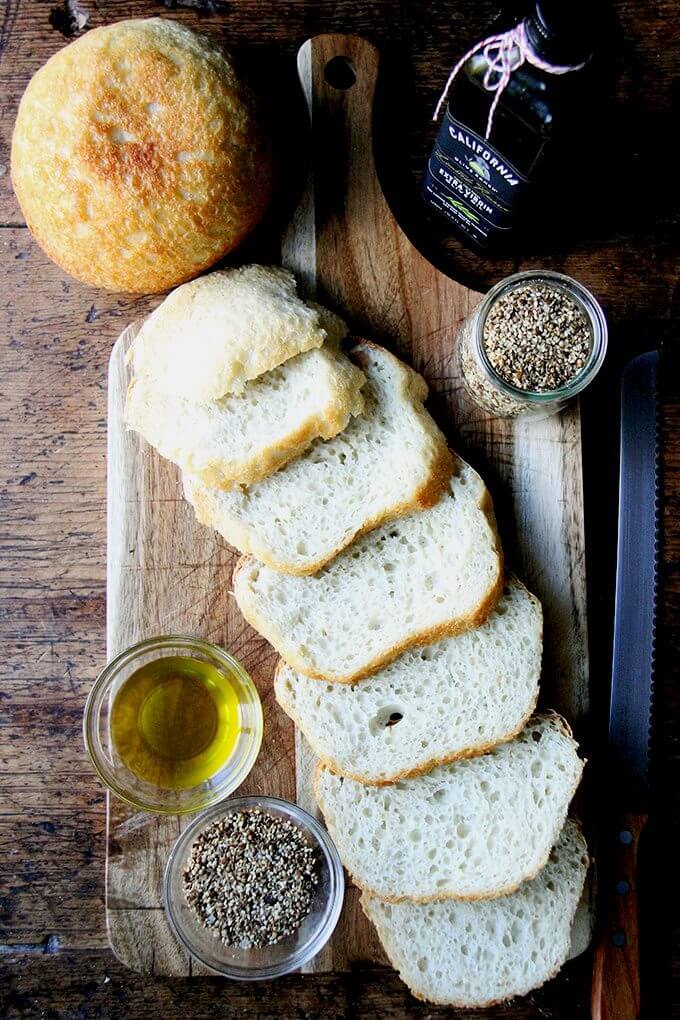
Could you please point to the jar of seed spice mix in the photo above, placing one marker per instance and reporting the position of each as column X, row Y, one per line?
column 535, row 341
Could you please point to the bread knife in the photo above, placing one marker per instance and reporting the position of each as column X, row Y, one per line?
column 616, row 969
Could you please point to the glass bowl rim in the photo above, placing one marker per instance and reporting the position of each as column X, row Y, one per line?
column 104, row 679
column 596, row 319
column 334, row 904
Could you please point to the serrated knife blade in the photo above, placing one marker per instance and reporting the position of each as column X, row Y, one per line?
column 616, row 963
column 636, row 583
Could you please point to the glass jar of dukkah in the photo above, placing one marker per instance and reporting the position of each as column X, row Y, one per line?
column 534, row 342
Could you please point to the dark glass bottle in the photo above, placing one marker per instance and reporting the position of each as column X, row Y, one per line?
column 482, row 185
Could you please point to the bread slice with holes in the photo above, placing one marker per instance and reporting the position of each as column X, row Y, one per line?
column 469, row 830
column 432, row 705
column 333, row 325
column 482, row 684
column 429, row 574
column 476, row 954
column 214, row 334
column 390, row 460
column 242, row 438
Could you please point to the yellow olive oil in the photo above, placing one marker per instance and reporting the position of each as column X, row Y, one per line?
column 175, row 722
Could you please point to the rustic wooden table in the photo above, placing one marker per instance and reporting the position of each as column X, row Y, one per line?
column 55, row 340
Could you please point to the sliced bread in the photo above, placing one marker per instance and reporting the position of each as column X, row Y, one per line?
column 430, row 574
column 335, row 327
column 390, row 460
column 470, row 830
column 475, row 954
column 212, row 335
column 243, row 437
column 433, row 704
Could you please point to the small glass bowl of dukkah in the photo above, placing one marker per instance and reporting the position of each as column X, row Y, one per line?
column 535, row 341
column 173, row 724
column 254, row 888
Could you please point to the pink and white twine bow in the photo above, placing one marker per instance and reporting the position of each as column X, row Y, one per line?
column 504, row 54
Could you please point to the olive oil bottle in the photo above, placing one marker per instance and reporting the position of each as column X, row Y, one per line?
column 516, row 95
column 175, row 722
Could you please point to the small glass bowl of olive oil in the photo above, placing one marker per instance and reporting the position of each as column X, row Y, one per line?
column 173, row 724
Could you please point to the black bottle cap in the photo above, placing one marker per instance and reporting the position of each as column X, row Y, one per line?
column 563, row 33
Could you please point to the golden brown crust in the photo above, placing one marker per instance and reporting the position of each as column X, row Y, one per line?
column 136, row 158
column 422, row 996
column 433, row 490
column 416, row 390
column 431, row 763
column 425, row 637
column 345, row 402
column 263, row 554
column 417, row 770
column 425, row 496
column 424, row 767
column 419, row 993
column 323, row 425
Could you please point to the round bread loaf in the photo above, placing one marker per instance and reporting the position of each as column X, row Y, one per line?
column 136, row 157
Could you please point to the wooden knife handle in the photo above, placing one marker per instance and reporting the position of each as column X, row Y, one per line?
column 616, row 965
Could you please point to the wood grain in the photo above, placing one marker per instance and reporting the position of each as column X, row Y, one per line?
column 167, row 573
column 366, row 265
column 87, row 986
column 616, row 963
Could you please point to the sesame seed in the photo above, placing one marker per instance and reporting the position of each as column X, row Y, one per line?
column 251, row 877
column 537, row 338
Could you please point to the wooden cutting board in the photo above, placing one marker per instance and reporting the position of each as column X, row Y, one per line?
column 168, row 574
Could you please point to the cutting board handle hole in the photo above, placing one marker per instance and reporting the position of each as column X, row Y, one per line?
column 340, row 73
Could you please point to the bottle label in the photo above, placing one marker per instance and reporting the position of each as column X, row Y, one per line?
column 471, row 183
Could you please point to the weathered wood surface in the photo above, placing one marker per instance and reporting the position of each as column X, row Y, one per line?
column 96, row 986
column 55, row 340
column 167, row 573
